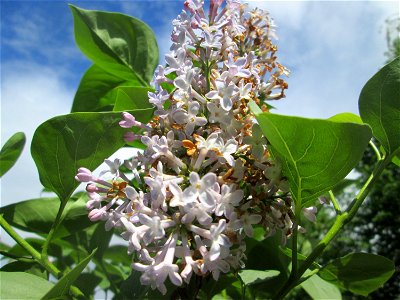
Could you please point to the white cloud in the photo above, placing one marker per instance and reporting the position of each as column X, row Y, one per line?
column 332, row 48
column 30, row 95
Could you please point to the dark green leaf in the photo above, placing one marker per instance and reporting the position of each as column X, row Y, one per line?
column 119, row 44
column 10, row 152
column 132, row 97
column 87, row 283
column 28, row 267
column 63, row 285
column 379, row 105
column 319, row 289
column 250, row 277
column 19, row 285
column 97, row 91
column 360, row 273
column 131, row 288
column 38, row 215
column 315, row 154
column 63, row 144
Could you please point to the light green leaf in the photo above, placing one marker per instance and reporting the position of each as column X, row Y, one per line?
column 63, row 144
column 319, row 289
column 19, row 285
column 97, row 90
column 63, row 285
column 346, row 117
column 379, row 105
column 250, row 277
column 360, row 273
column 132, row 97
column 117, row 43
column 396, row 160
column 316, row 154
column 10, row 152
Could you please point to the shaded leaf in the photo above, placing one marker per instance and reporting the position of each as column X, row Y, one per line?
column 360, row 273
column 10, row 152
column 315, row 154
column 379, row 105
column 38, row 215
column 19, row 285
column 117, row 43
column 28, row 267
column 97, row 91
column 63, row 144
column 63, row 285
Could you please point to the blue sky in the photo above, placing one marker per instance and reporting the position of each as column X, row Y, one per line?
column 332, row 49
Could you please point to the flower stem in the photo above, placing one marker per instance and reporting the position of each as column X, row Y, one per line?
column 340, row 221
column 335, row 203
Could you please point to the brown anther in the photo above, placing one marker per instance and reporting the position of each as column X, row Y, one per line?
column 190, row 146
column 228, row 174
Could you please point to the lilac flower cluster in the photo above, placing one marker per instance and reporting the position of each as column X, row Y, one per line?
column 206, row 177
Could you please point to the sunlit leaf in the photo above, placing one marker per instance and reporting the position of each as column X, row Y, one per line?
column 132, row 97
column 379, row 105
column 19, row 285
column 119, row 44
column 360, row 273
column 250, row 277
column 319, row 289
column 315, row 154
column 10, row 152
column 65, row 143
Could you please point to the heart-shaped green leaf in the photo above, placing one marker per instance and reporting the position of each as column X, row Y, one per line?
column 65, row 143
column 119, row 44
column 10, row 152
column 379, row 105
column 62, row 286
column 360, row 273
column 315, row 154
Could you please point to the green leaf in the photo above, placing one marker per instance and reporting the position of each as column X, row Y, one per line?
column 132, row 97
column 379, row 105
column 250, row 277
column 63, row 285
column 346, row 117
column 28, row 267
column 10, row 152
column 131, row 288
column 63, row 144
column 19, row 285
column 117, row 43
column 360, row 273
column 38, row 215
column 396, row 160
column 319, row 289
column 97, row 90
column 316, row 154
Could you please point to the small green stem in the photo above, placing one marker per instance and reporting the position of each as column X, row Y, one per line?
column 335, row 203
column 340, row 221
column 52, row 269
column 53, row 229
column 376, row 150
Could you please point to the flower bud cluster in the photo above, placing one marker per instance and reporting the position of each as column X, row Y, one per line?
column 186, row 204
